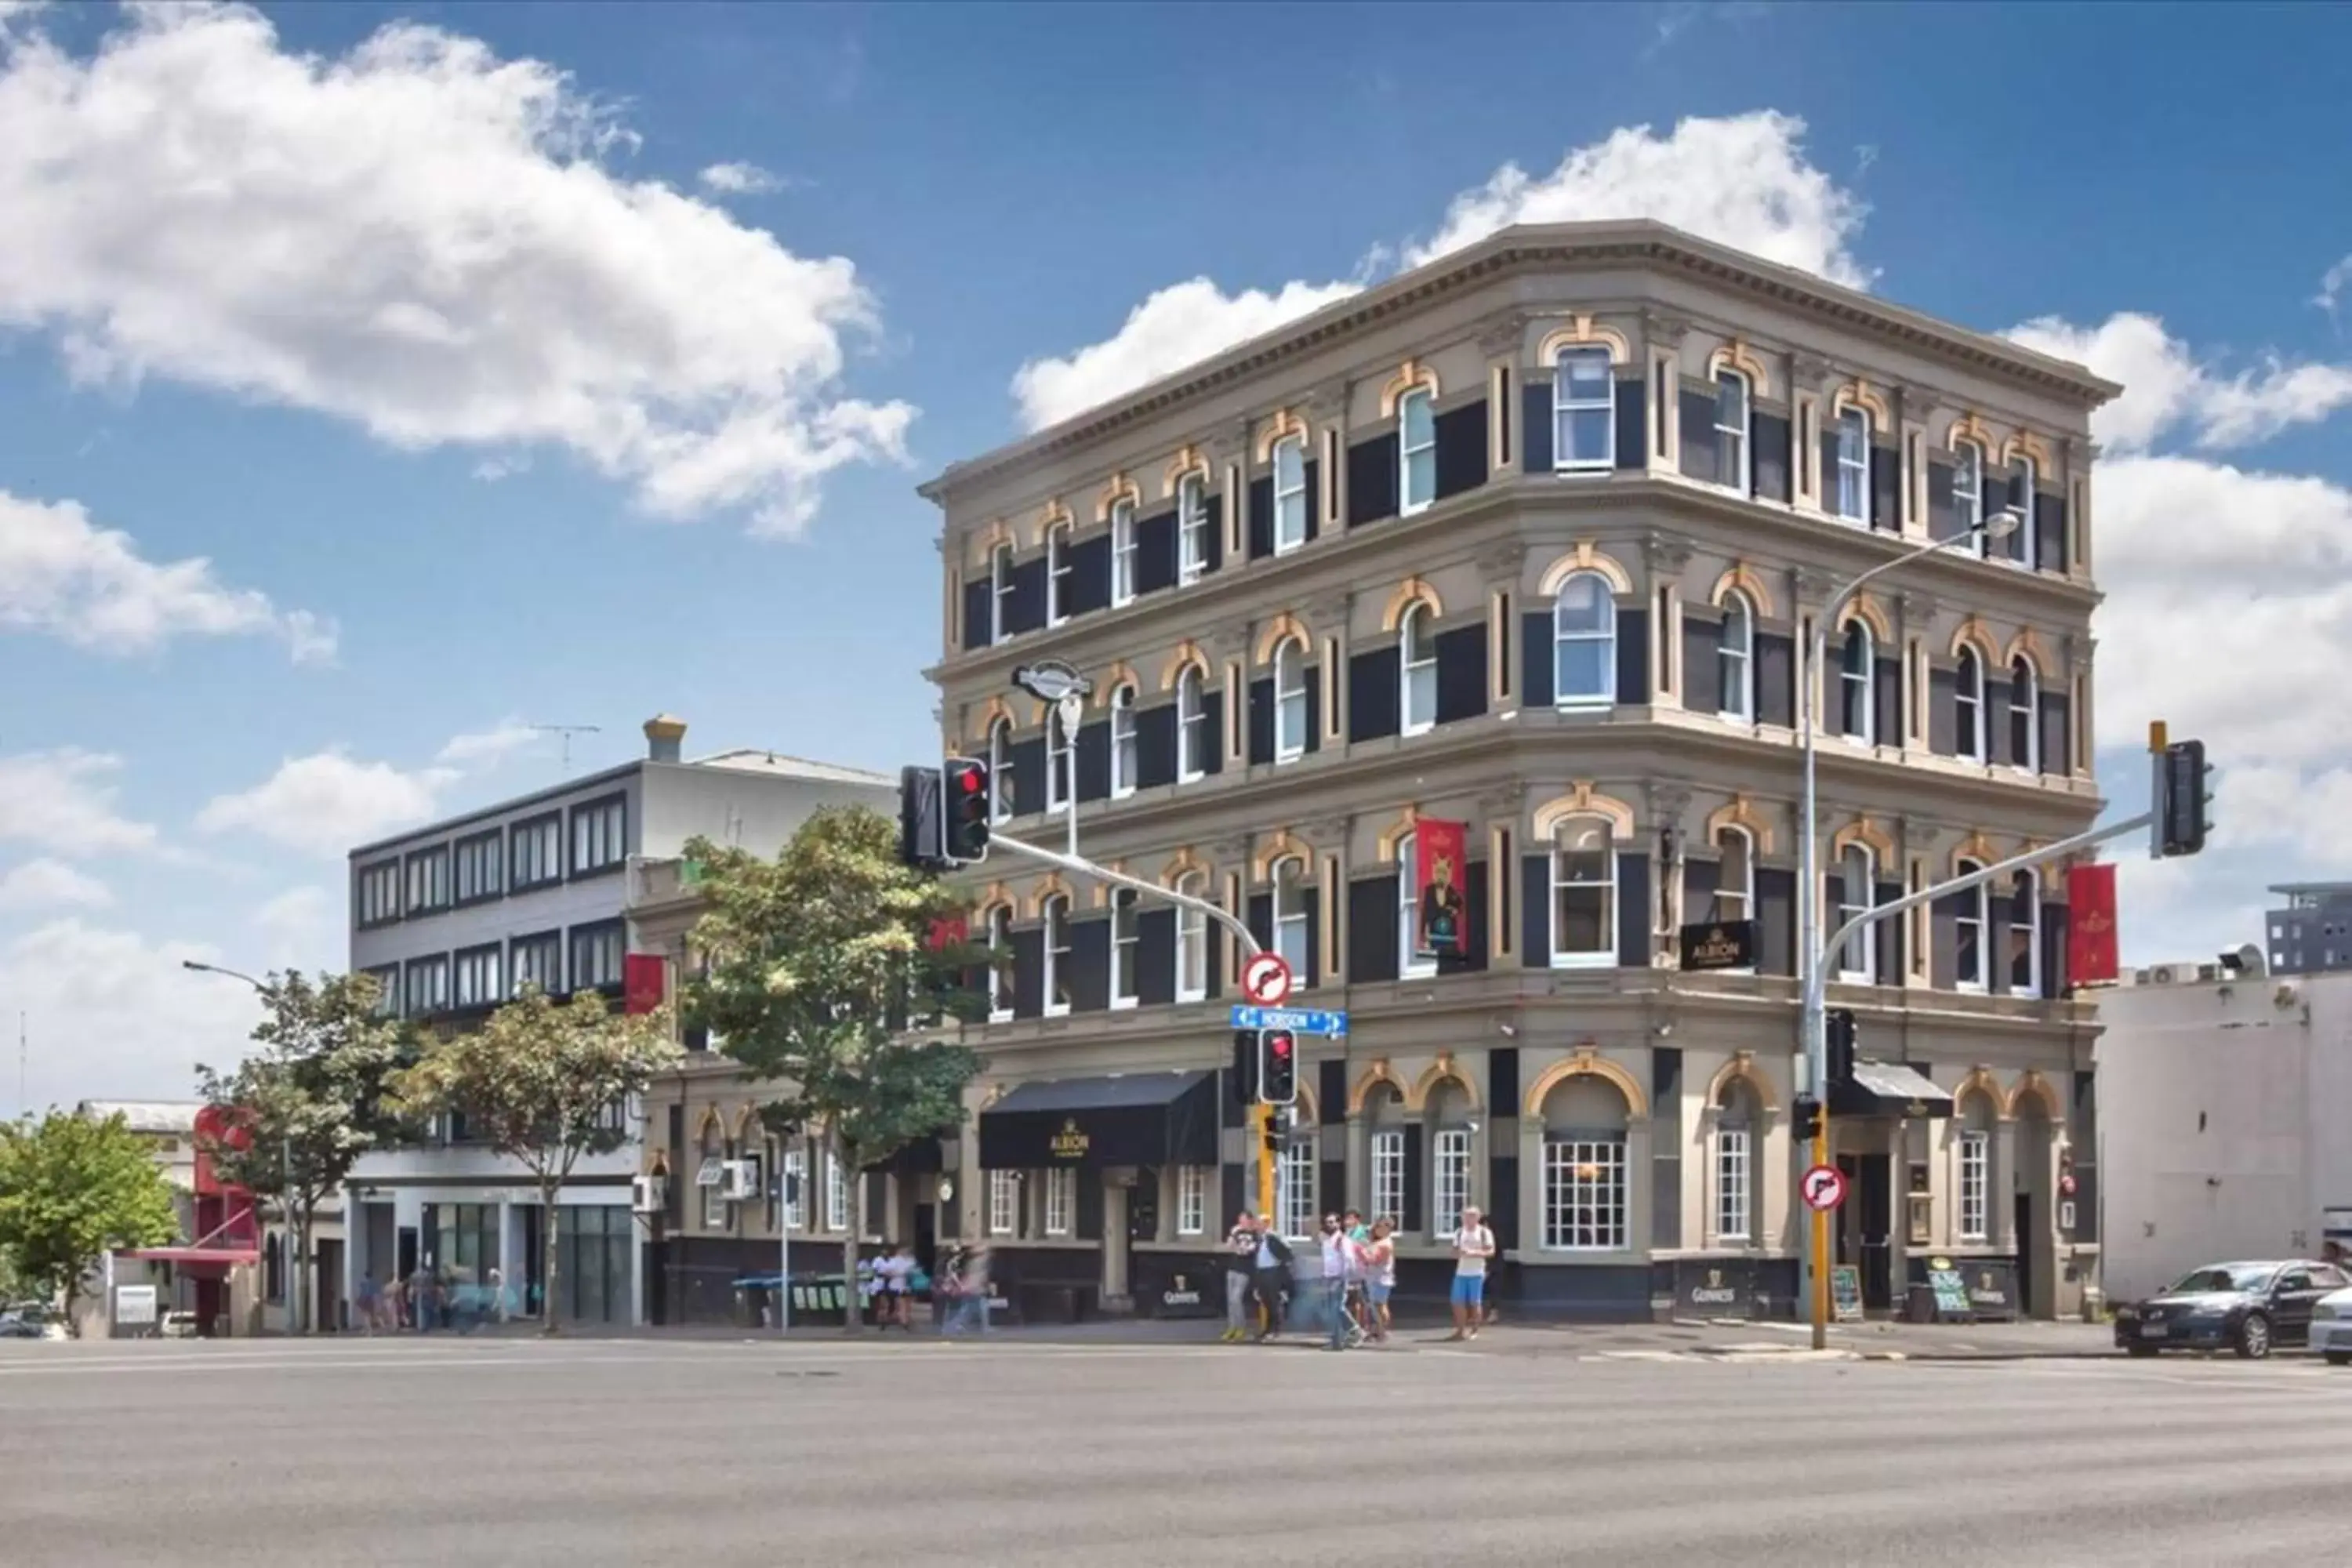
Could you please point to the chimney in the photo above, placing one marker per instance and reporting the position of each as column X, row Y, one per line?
column 663, row 733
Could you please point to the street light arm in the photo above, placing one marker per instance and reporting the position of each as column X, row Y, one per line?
column 191, row 965
column 1083, row 867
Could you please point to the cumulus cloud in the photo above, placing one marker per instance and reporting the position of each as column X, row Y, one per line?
column 1744, row 180
column 63, row 801
column 424, row 239
column 46, row 884
column 2168, row 393
column 328, row 802
column 62, row 575
column 488, row 748
column 302, row 928
column 738, row 180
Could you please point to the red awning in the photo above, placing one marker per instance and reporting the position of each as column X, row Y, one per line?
column 228, row 1256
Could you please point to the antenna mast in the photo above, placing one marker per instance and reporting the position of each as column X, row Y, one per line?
column 566, row 731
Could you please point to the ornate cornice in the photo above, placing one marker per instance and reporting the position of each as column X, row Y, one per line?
column 1511, row 802
column 1809, row 586
column 1229, row 642
column 1233, row 445
column 1328, row 612
column 1232, row 853
column 1665, row 552
column 1504, row 558
column 1918, row 610
column 1667, row 804
column 1663, row 330
column 1327, row 404
column 1810, row 372
column 1325, row 832
column 1504, row 336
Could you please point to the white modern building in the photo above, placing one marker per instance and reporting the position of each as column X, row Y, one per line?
column 2223, row 1096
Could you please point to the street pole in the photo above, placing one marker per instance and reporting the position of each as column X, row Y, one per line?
column 291, row 1271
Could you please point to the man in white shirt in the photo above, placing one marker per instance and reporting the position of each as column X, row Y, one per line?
column 1337, row 1250
column 1240, row 1243
column 1474, row 1244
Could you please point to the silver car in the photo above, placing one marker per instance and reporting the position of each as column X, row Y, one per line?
column 2331, row 1327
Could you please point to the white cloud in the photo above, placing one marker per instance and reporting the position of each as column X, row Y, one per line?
column 738, row 180
column 2168, row 393
column 328, row 802
column 1744, row 181
column 63, row 577
column 2332, row 286
column 426, row 240
column 46, row 884
column 488, row 748
column 302, row 928
column 63, row 802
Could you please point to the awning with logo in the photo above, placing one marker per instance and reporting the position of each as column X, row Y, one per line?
column 1888, row 1089
column 1126, row 1118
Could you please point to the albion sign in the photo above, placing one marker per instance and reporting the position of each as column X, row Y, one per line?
column 1069, row 1144
column 1719, row 944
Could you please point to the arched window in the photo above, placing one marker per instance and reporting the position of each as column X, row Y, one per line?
column 1125, row 932
column 1191, row 940
column 1384, row 1116
column 1857, row 671
column 1416, row 452
column 1000, row 974
column 1739, row 1121
column 1450, row 1117
column 1000, row 586
column 1059, row 574
column 1731, row 443
column 1057, row 760
column 2024, row 698
column 1055, row 987
column 1968, row 489
column 1583, row 893
column 1584, row 642
column 1289, row 493
column 1122, row 553
column 1289, row 701
column 1968, row 930
column 1586, row 1181
column 1192, row 737
column 1857, row 963
column 1583, row 410
column 1294, row 897
column 1968, row 706
column 1122, row 741
column 1854, row 465
column 1734, row 658
column 1191, row 529
column 1410, row 965
column 1735, row 876
column 1000, row 770
column 1978, row 1117
column 2025, row 934
column 1417, row 673
column 2025, row 544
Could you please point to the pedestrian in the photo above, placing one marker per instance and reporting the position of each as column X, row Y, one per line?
column 1241, row 1245
column 370, row 1302
column 896, row 1273
column 1269, row 1276
column 1474, row 1244
column 1380, row 1277
column 420, row 1298
column 1337, row 1251
column 499, row 1295
column 972, row 1291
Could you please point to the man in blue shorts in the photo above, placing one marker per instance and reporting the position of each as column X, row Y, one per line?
column 1474, row 1244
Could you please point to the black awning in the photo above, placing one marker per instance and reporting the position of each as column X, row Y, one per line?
column 1888, row 1089
column 1127, row 1118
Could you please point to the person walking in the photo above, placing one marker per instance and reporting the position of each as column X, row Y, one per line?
column 1474, row 1244
column 1379, row 1278
column 1241, row 1245
column 370, row 1305
column 1337, row 1251
column 1270, row 1263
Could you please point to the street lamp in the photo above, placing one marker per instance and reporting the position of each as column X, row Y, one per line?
column 1813, row 974
column 294, row 1292
column 1062, row 689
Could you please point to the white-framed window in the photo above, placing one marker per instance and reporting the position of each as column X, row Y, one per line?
column 1854, row 465
column 1584, row 1195
column 600, row 836
column 379, row 893
column 1056, row 982
column 1192, row 737
column 1293, row 1190
column 2025, row 934
column 836, row 1195
column 536, row 960
column 1857, row 963
column 477, row 976
column 1976, row 1161
column 1968, row 931
column 1294, row 896
column 1057, row 760
column 1122, row 743
column 1584, row 642
column 1734, row 659
column 1061, row 575
column 1731, row 431
column 1004, row 1202
column 1583, row 411
column 1061, row 1201
column 1857, row 673
column 1417, row 671
column 1000, row 592
column 1416, row 452
column 429, row 877
column 1583, row 893
column 1410, row 965
column 1289, row 701
column 1191, row 529
column 1449, row 1170
column 2024, row 698
column 1122, row 553
column 1000, row 770
column 2028, row 548
column 1289, row 493
column 1735, row 1170
column 1388, row 1174
column 1192, row 1200
column 795, row 1194
column 710, row 1179
column 1191, row 940
column 1968, row 490
column 1968, row 706
column 1124, row 910
column 1000, row 978
column 1734, row 875
column 596, row 953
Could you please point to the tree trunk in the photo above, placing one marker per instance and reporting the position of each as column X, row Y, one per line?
column 73, row 1319
column 547, row 1235
column 854, row 1318
column 300, row 1280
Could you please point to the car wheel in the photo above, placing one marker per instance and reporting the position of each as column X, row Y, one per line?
column 2337, row 1358
column 2139, row 1350
column 2255, row 1337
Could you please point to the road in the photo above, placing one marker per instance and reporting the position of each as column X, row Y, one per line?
column 641, row 1452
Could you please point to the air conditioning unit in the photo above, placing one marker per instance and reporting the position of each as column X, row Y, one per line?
column 2165, row 974
column 646, row 1195
column 736, row 1183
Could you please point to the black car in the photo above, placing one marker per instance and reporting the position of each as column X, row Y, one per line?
column 2248, row 1308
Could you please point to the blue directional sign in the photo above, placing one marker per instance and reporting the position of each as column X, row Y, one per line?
column 1298, row 1020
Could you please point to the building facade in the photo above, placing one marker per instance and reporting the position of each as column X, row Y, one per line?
column 1527, row 542
column 456, row 917
column 2311, row 933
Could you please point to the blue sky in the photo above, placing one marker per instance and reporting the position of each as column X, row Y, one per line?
column 492, row 399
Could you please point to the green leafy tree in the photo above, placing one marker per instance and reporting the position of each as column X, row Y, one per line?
column 814, row 962
column 73, row 1189
column 312, row 1101
column 545, row 1083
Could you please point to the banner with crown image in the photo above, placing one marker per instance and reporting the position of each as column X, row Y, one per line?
column 1442, row 915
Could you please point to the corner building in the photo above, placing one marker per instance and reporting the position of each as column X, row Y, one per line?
column 1530, row 540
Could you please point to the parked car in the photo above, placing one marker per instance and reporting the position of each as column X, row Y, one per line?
column 2331, row 1328
column 2249, row 1308
column 30, row 1320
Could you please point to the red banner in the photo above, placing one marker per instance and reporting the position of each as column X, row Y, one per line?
column 644, row 978
column 1442, row 915
column 2091, row 947
column 947, row 932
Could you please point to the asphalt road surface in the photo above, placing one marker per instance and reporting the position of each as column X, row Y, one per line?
column 637, row 1452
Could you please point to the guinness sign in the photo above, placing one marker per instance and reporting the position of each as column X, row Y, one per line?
column 1719, row 945
column 1069, row 1144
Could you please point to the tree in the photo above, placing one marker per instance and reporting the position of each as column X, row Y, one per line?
column 812, row 963
column 544, row 1083
column 309, row 1102
column 72, row 1190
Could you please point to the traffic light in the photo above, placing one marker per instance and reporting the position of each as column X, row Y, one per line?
column 1839, row 1054
column 965, row 786
column 1245, row 1083
column 918, row 817
column 2181, row 814
column 1807, row 1118
column 1277, row 1070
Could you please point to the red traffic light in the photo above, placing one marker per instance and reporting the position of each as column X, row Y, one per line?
column 1278, row 1043
column 969, row 781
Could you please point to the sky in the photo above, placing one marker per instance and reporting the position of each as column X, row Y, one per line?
column 378, row 384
